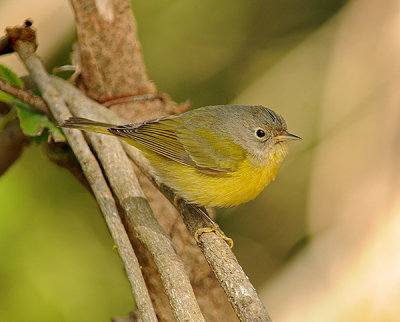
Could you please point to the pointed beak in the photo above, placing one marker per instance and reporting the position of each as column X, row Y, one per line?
column 286, row 136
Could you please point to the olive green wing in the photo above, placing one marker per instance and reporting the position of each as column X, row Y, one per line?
column 192, row 145
column 158, row 136
column 212, row 149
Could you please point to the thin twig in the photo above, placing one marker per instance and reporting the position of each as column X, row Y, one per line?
column 120, row 99
column 25, row 96
column 219, row 256
column 95, row 177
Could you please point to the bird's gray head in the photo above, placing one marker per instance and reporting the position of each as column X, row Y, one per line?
column 257, row 129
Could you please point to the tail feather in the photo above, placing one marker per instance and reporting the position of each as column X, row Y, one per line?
column 87, row 125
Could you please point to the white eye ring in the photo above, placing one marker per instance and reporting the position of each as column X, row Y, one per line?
column 260, row 133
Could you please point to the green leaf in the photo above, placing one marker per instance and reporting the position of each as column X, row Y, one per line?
column 55, row 129
column 7, row 98
column 7, row 118
column 36, row 124
column 42, row 138
column 32, row 123
column 8, row 75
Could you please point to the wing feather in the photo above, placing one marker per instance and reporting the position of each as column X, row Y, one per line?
column 189, row 143
column 158, row 136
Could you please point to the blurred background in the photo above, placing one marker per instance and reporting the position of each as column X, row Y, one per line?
column 320, row 243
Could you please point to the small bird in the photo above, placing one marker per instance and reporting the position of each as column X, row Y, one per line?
column 219, row 156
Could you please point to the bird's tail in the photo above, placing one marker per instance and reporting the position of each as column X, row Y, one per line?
column 87, row 125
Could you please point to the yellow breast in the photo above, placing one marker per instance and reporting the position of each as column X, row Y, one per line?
column 226, row 190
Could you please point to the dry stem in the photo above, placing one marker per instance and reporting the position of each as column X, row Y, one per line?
column 95, row 177
column 25, row 96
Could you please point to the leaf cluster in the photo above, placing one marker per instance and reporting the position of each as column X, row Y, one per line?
column 34, row 124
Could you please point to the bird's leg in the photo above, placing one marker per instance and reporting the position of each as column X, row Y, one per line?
column 213, row 227
column 176, row 200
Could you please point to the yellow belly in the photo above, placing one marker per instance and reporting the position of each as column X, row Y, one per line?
column 221, row 190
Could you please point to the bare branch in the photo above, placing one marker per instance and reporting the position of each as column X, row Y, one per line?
column 25, row 96
column 237, row 286
column 94, row 175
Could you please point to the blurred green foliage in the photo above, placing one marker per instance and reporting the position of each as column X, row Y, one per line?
column 33, row 124
column 209, row 51
column 58, row 263
column 57, row 255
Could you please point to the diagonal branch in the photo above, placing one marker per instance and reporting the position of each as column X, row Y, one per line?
column 24, row 95
column 95, row 177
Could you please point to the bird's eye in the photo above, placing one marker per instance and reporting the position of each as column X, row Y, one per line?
column 260, row 133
